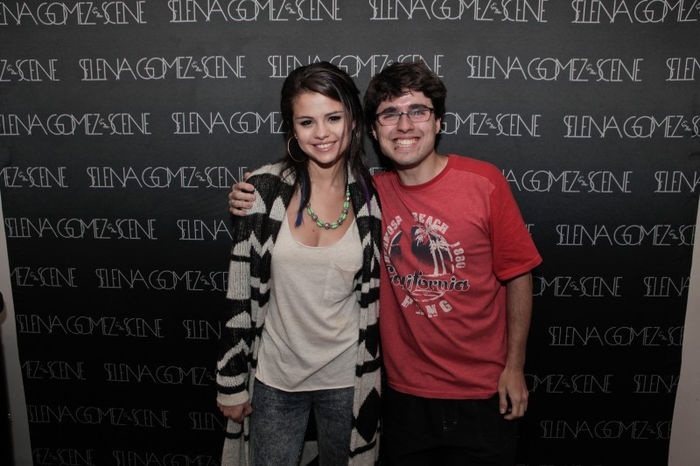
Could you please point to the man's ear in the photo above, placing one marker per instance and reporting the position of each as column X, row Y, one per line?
column 438, row 125
column 374, row 133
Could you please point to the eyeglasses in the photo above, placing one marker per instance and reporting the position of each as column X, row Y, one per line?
column 416, row 115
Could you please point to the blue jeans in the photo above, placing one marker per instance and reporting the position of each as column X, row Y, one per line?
column 278, row 424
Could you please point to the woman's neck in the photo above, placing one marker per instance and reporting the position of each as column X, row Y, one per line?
column 327, row 177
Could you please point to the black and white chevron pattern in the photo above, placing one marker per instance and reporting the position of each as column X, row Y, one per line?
column 249, row 293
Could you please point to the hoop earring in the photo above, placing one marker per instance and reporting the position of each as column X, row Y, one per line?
column 289, row 152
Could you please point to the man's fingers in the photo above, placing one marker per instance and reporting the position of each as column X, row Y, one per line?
column 241, row 203
column 502, row 401
column 239, row 207
column 522, row 407
column 517, row 408
column 515, row 414
column 242, row 187
column 240, row 196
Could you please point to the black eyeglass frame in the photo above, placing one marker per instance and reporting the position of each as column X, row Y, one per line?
column 408, row 113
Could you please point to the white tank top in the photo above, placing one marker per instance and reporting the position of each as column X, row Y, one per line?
column 309, row 341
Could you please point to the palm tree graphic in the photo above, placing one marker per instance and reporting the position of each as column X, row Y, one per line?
column 438, row 246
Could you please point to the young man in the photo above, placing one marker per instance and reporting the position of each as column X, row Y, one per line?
column 456, row 289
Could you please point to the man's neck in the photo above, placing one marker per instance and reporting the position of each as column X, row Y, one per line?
column 426, row 170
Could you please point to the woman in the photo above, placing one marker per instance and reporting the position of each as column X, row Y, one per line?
column 301, row 330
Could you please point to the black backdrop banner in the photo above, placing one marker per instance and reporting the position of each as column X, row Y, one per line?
column 124, row 123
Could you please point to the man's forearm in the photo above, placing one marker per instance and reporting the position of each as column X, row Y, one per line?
column 518, row 314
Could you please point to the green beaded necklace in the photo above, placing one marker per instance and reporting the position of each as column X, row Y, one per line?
column 341, row 219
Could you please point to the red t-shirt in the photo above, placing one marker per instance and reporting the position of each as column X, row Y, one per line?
column 448, row 245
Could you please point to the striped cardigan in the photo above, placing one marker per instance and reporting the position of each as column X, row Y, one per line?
column 249, row 294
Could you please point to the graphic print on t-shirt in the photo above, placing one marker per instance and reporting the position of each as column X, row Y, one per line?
column 421, row 261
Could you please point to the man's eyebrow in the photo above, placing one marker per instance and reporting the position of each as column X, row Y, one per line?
column 410, row 107
column 389, row 110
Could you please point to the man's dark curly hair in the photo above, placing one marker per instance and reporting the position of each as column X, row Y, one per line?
column 398, row 78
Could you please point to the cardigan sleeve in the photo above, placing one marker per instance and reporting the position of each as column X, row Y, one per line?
column 236, row 340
